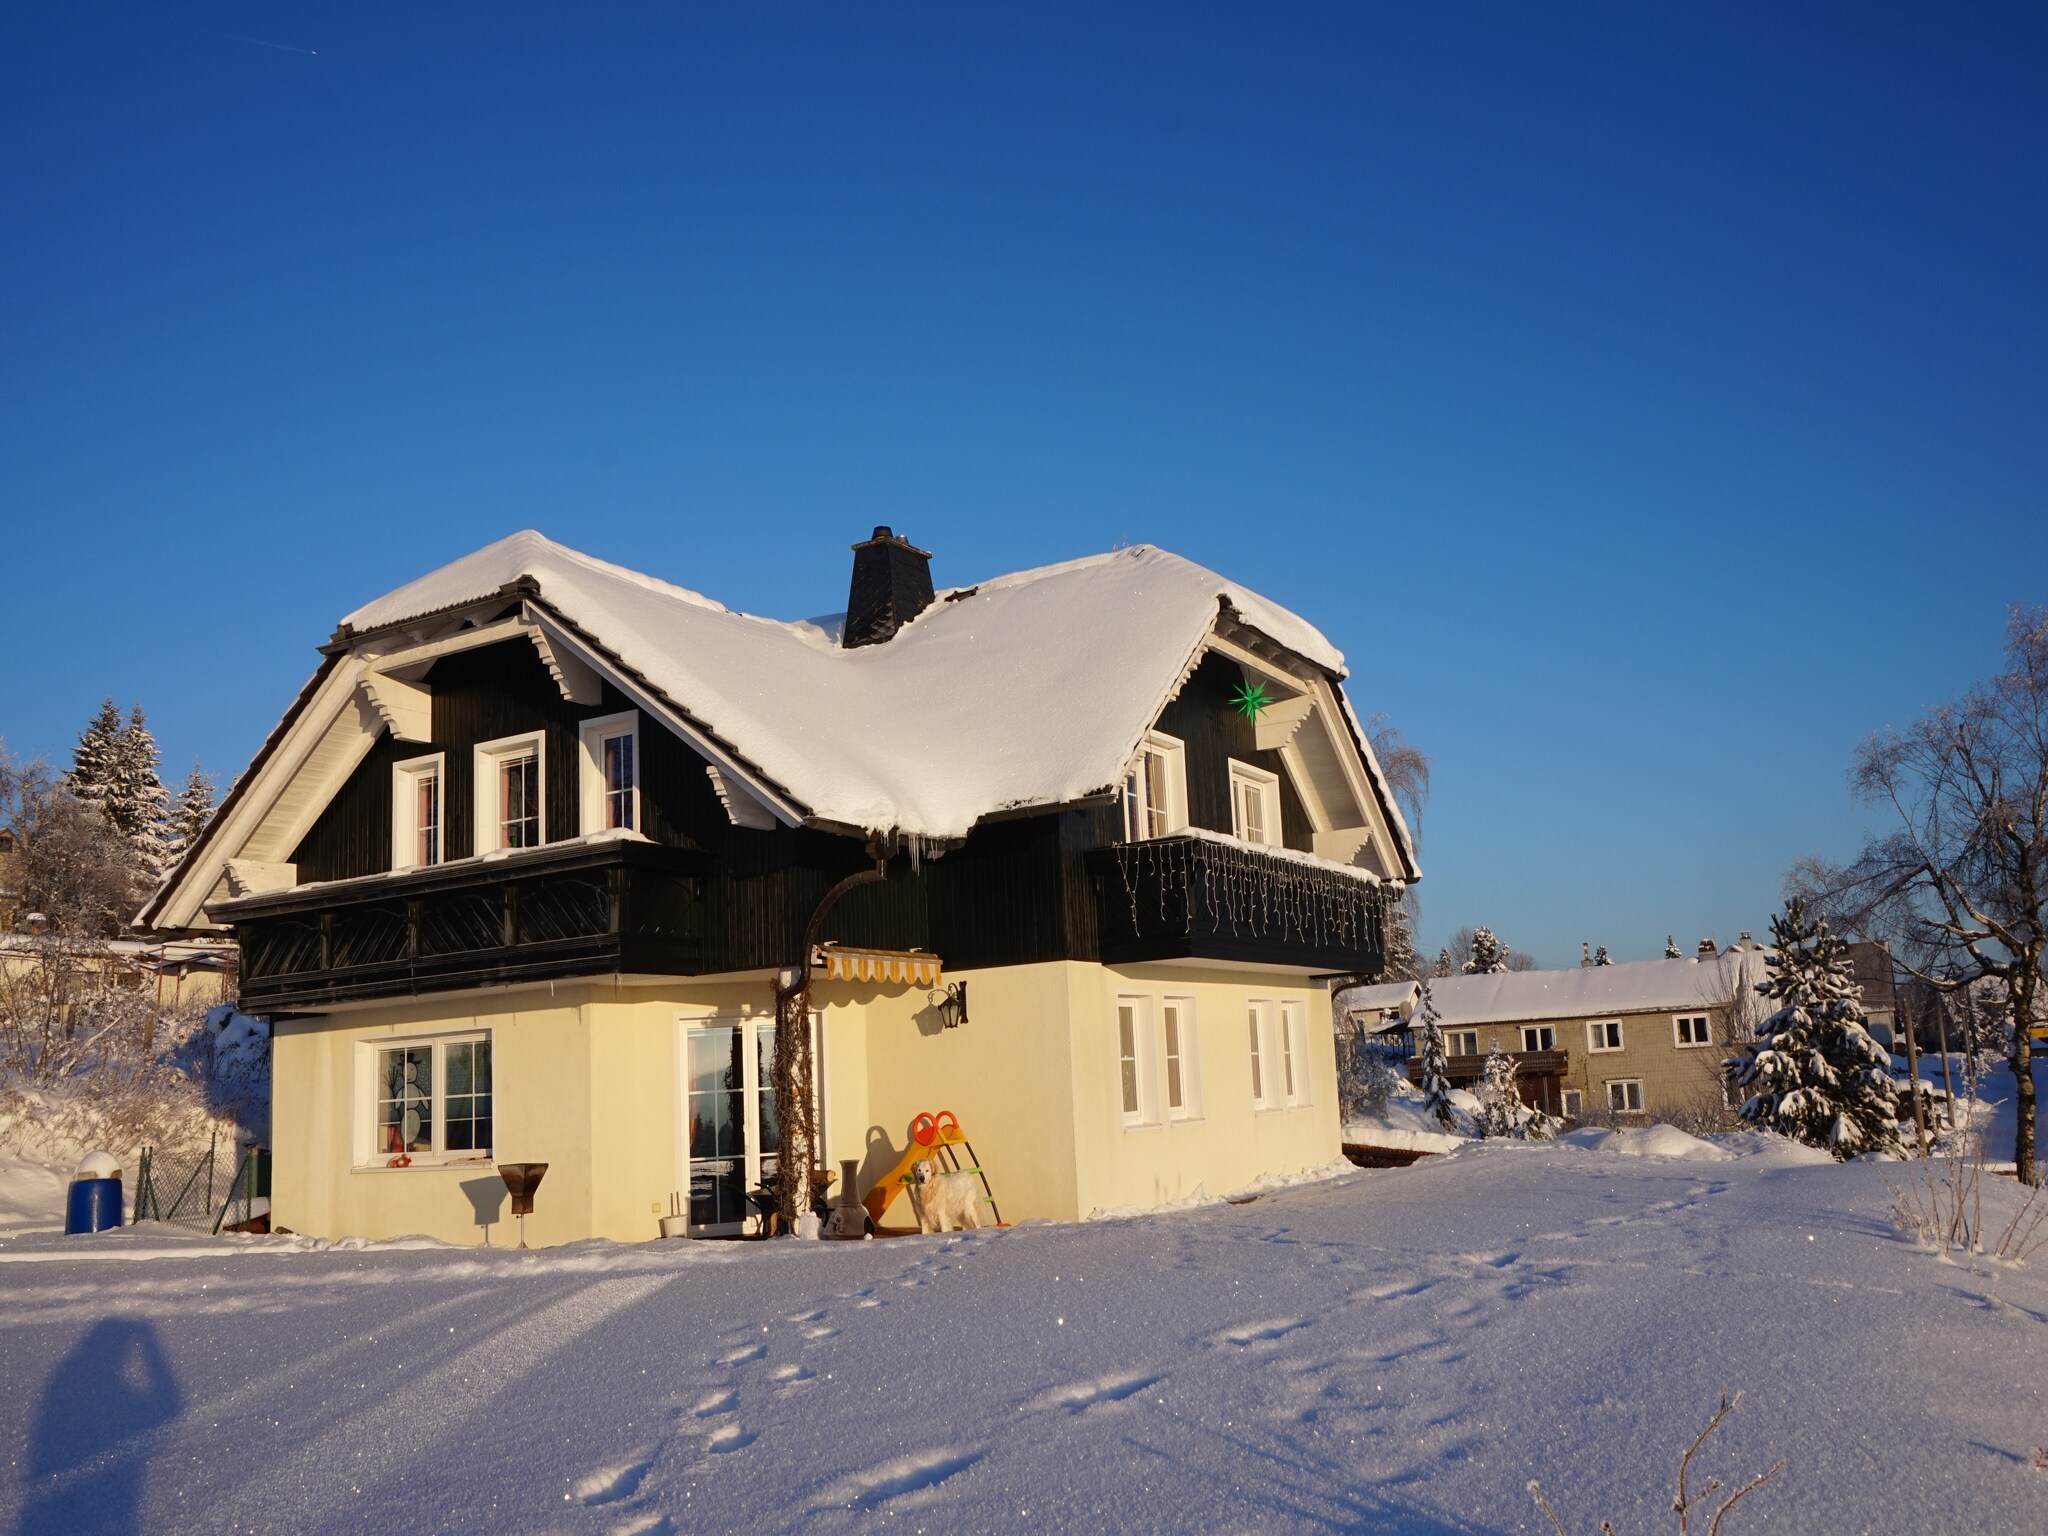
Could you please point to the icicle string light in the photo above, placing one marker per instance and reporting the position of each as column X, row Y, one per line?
column 1249, row 894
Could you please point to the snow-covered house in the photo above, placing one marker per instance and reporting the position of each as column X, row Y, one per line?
column 1641, row 1037
column 521, row 870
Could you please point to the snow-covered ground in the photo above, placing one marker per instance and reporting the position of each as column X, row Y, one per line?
column 1385, row 1351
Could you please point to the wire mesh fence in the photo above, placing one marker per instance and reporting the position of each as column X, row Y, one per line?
column 201, row 1189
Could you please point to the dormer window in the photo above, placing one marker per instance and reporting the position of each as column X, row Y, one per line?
column 511, row 788
column 1254, row 803
column 611, row 773
column 418, row 812
column 1155, row 789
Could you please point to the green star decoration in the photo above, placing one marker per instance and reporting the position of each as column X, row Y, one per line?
column 1251, row 700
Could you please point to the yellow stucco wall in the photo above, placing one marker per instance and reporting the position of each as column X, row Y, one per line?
column 586, row 1078
column 1231, row 1142
column 541, row 1066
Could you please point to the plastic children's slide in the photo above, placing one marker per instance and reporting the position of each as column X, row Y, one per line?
column 936, row 1136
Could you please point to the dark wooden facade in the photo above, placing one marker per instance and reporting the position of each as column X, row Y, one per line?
column 704, row 896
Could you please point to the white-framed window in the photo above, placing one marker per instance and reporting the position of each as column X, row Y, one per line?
column 1259, row 1025
column 1461, row 1042
column 424, row 1100
column 1294, row 1053
column 1625, row 1094
column 1155, row 789
column 419, row 803
column 611, row 772
column 511, row 792
column 1254, row 803
column 1604, row 1035
column 1539, row 1037
column 1137, row 1063
column 1574, row 1103
column 1183, row 1058
column 1692, row 1029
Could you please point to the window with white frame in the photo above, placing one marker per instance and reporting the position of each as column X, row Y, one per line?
column 1254, row 803
column 1155, row 789
column 611, row 772
column 1539, row 1037
column 511, row 793
column 1461, row 1042
column 1574, row 1103
column 1625, row 1094
column 1137, row 1069
column 1182, row 1058
column 427, row 1100
column 1692, row 1029
column 1294, row 1052
column 1259, row 1021
column 1604, row 1035
column 418, row 806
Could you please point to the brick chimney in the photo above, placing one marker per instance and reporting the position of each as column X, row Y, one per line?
column 892, row 584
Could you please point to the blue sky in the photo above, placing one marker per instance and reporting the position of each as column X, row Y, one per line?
column 1649, row 400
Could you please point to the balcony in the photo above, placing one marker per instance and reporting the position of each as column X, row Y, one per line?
column 569, row 909
column 1183, row 898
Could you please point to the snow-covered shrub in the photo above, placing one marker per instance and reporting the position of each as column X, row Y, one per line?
column 229, row 1055
column 1814, row 1073
column 1500, row 1100
column 1367, row 1076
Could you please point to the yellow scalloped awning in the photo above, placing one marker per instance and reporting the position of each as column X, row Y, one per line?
column 886, row 967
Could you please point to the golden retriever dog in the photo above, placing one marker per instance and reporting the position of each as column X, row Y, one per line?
column 944, row 1202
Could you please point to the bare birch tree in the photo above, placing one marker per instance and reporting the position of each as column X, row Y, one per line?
column 1965, row 871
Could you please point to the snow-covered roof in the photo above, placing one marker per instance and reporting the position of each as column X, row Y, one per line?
column 1583, row 992
column 1024, row 690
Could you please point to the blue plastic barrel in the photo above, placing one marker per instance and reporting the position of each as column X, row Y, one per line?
column 94, row 1206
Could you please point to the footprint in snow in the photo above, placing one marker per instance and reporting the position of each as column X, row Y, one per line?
column 743, row 1355
column 903, row 1474
column 649, row 1524
column 1259, row 1333
column 790, row 1375
column 816, row 1314
column 729, row 1438
column 714, row 1403
column 618, row 1481
column 1076, row 1396
column 820, row 1333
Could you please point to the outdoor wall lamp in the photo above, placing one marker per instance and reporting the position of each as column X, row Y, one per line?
column 951, row 1001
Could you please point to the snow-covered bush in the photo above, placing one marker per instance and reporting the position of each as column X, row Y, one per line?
column 1367, row 1075
column 1814, row 1073
column 229, row 1055
column 1500, row 1100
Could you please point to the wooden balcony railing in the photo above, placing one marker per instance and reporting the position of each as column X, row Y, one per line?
column 562, row 910
column 1196, row 898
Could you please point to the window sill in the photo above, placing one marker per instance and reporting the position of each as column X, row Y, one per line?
column 428, row 1165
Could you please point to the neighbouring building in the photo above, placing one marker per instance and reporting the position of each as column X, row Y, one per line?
column 1639, row 1037
column 521, row 871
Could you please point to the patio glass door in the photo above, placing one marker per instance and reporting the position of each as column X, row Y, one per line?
column 734, row 1140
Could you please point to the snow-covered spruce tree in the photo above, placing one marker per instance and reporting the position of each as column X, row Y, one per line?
column 1488, row 954
column 1814, row 1072
column 1443, row 962
column 1600, row 956
column 1500, row 1101
column 96, row 760
column 190, row 813
column 1433, row 1062
column 141, row 808
column 1671, row 947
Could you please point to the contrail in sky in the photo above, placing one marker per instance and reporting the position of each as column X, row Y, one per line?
column 311, row 53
